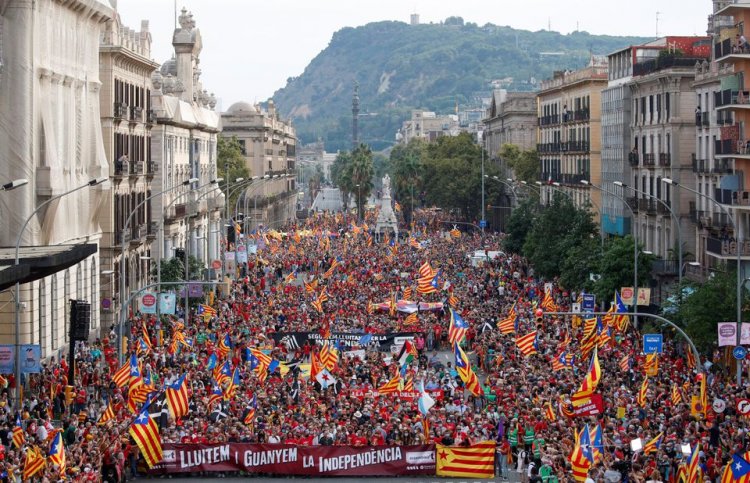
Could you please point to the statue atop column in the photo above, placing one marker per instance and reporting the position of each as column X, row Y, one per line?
column 386, row 217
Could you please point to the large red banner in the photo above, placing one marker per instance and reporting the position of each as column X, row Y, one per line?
column 592, row 408
column 286, row 459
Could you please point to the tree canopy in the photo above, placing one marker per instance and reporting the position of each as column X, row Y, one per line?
column 353, row 173
column 230, row 164
column 524, row 164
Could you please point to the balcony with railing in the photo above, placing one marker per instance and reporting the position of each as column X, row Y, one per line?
column 153, row 230
column 649, row 159
column 665, row 62
column 151, row 168
column 548, row 148
column 704, row 166
column 699, row 118
column 633, row 159
column 664, row 267
column 665, row 159
column 632, row 202
column 549, row 120
column 136, row 114
column 550, row 176
column 575, row 146
column 663, row 207
column 647, row 205
column 574, row 179
column 725, row 147
column 122, row 168
column 120, row 111
column 137, row 234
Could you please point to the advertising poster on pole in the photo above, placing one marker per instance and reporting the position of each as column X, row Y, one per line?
column 241, row 253
column 727, row 333
column 167, row 303
column 627, row 295
column 7, row 359
column 147, row 304
column 31, row 359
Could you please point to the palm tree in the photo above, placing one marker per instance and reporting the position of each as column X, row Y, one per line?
column 359, row 175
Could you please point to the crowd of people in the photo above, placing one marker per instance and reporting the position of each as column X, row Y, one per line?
column 272, row 295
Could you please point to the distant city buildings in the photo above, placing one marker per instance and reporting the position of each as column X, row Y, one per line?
column 511, row 119
column 269, row 146
column 569, row 134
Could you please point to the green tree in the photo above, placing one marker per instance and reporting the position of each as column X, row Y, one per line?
column 580, row 262
column 173, row 270
column 340, row 173
column 359, row 176
column 230, row 164
column 708, row 303
column 453, row 175
column 519, row 224
column 408, row 170
column 555, row 232
column 617, row 268
column 524, row 164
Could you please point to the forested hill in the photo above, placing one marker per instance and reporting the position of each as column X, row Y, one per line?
column 400, row 67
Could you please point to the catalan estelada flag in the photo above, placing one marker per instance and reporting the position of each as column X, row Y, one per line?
column 527, row 344
column 424, row 281
column 549, row 412
column 476, row 461
column 18, row 436
column 465, row 372
column 33, row 464
column 108, row 415
column 694, row 470
column 145, row 433
column 122, row 376
column 57, row 452
column 589, row 383
column 654, row 444
column 457, row 328
column 580, row 464
column 676, row 395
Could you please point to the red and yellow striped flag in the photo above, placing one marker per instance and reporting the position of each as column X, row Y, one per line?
column 476, row 461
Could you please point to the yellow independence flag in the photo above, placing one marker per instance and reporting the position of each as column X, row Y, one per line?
column 477, row 461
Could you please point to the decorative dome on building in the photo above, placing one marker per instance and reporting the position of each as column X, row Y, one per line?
column 169, row 67
column 241, row 108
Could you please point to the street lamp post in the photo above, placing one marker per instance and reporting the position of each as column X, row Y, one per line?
column 359, row 201
column 122, row 258
column 17, row 314
column 673, row 215
column 484, row 222
column 635, row 245
column 728, row 212
column 216, row 181
column 16, row 183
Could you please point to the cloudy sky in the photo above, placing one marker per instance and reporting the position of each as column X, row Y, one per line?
column 251, row 47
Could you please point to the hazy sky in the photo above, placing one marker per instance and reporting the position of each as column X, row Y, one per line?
column 251, row 47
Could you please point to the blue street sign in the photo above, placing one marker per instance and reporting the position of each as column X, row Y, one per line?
column 589, row 302
column 739, row 352
column 482, row 223
column 652, row 343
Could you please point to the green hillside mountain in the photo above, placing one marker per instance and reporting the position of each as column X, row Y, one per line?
column 400, row 67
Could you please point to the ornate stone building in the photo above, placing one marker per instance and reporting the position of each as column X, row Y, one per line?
column 125, row 68
column 269, row 146
column 50, row 134
column 183, row 146
column 511, row 119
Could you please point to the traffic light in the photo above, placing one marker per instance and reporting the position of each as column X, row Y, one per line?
column 539, row 318
column 69, row 394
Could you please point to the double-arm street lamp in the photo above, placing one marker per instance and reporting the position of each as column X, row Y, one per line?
column 672, row 214
column 15, row 184
column 123, row 263
column 636, row 250
column 728, row 212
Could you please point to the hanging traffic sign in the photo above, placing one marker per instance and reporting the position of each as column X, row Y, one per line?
column 652, row 343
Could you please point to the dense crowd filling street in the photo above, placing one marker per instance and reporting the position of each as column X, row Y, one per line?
column 234, row 372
